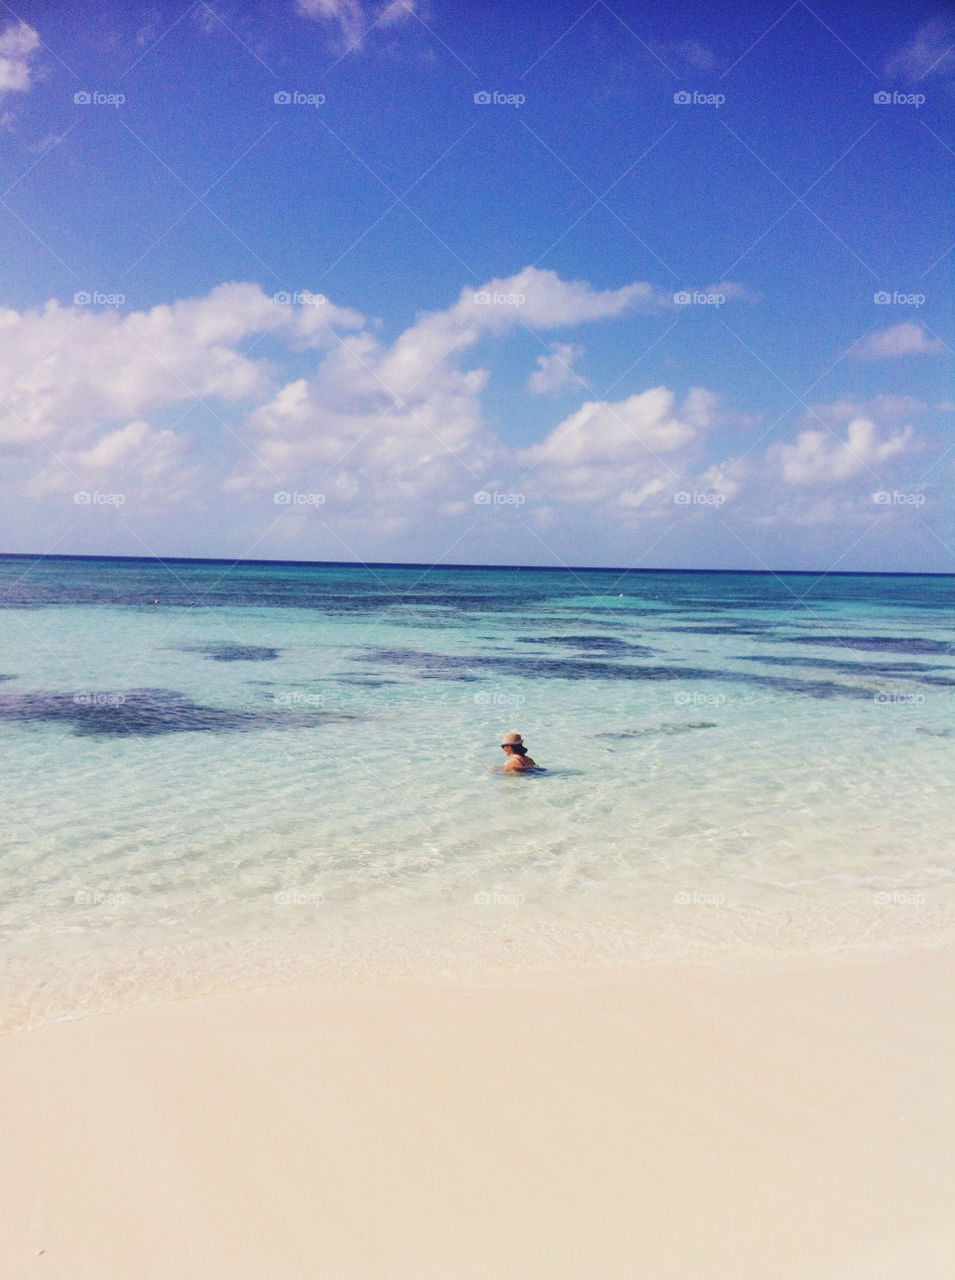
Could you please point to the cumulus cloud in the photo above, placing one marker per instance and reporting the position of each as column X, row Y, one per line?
column 145, row 467
column 393, row 435
column 906, row 339
column 726, row 478
column 534, row 298
column 401, row 427
column 18, row 42
column 76, row 381
column 626, row 451
column 386, row 427
column 542, row 300
column 66, row 370
column 554, row 372
column 820, row 457
column 931, row 51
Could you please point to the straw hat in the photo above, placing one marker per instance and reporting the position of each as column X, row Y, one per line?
column 512, row 740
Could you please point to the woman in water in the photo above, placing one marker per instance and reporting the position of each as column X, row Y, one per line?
column 517, row 757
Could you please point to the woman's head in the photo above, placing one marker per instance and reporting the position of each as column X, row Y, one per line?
column 513, row 744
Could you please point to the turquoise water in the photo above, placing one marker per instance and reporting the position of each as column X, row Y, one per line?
column 217, row 776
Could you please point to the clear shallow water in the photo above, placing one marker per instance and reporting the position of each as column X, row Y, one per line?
column 218, row 776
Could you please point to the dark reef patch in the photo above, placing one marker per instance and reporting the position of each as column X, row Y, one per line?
column 885, row 670
column 809, row 688
column 871, row 644
column 593, row 644
column 364, row 682
column 228, row 651
column 147, row 713
column 462, row 678
column 658, row 730
column 447, row 666
column 723, row 629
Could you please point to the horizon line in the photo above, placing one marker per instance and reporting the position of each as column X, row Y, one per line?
column 415, row 564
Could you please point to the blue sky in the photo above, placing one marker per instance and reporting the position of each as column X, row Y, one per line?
column 679, row 294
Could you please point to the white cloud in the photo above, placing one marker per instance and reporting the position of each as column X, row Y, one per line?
column 613, row 431
column 353, row 18
column 401, row 427
column 65, row 371
column 726, row 478
column 145, row 467
column 534, row 298
column 881, row 408
column 714, row 295
column 625, row 452
column 345, row 432
column 17, row 43
column 390, row 14
column 819, row 457
column 554, row 372
column 931, row 51
column 542, row 300
column 906, row 339
column 733, row 290
column 388, row 430
column 348, row 14
column 393, row 435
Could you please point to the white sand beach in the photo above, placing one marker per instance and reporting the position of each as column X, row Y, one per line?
column 661, row 1123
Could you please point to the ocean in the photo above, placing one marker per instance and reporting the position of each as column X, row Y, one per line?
column 219, row 776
